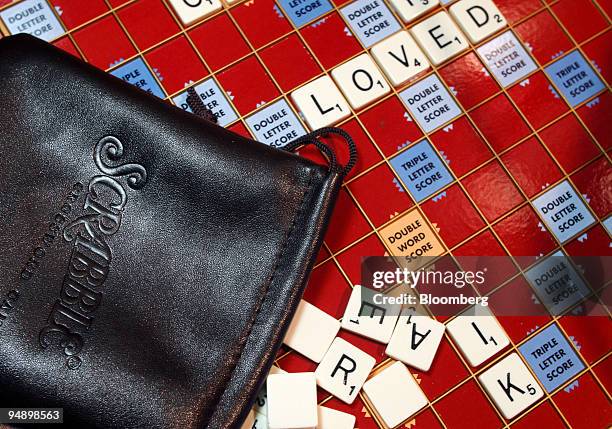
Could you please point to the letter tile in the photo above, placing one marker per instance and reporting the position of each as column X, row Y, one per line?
column 321, row 103
column 409, row 10
column 415, row 340
column 192, row 11
column 478, row 18
column 511, row 386
column 311, row 332
column 364, row 315
column 292, row 400
column 478, row 336
column 395, row 394
column 361, row 81
column 439, row 37
column 343, row 370
column 333, row 419
column 400, row 57
column 261, row 400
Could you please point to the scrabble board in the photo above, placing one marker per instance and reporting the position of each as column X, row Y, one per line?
column 467, row 131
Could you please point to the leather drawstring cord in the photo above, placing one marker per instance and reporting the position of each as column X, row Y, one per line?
column 197, row 106
column 312, row 138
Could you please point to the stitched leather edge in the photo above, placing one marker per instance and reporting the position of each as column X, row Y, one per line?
column 265, row 293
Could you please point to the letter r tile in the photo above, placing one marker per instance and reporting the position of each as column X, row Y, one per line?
column 343, row 370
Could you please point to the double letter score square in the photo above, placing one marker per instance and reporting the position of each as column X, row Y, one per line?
column 439, row 37
column 321, row 103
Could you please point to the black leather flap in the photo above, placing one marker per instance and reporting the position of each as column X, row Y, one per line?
column 150, row 261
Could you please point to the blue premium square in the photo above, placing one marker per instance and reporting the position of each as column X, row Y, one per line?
column 557, row 283
column 575, row 78
column 213, row 98
column 34, row 17
column 421, row 170
column 275, row 125
column 370, row 20
column 302, row 11
column 507, row 59
column 430, row 103
column 563, row 211
column 608, row 225
column 137, row 73
column 551, row 357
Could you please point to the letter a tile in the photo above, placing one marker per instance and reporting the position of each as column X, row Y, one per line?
column 415, row 340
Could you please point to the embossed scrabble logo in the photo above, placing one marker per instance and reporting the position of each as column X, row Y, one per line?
column 83, row 287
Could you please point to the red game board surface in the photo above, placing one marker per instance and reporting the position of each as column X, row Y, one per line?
column 510, row 145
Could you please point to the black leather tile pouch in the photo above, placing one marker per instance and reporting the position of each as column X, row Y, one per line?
column 150, row 261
